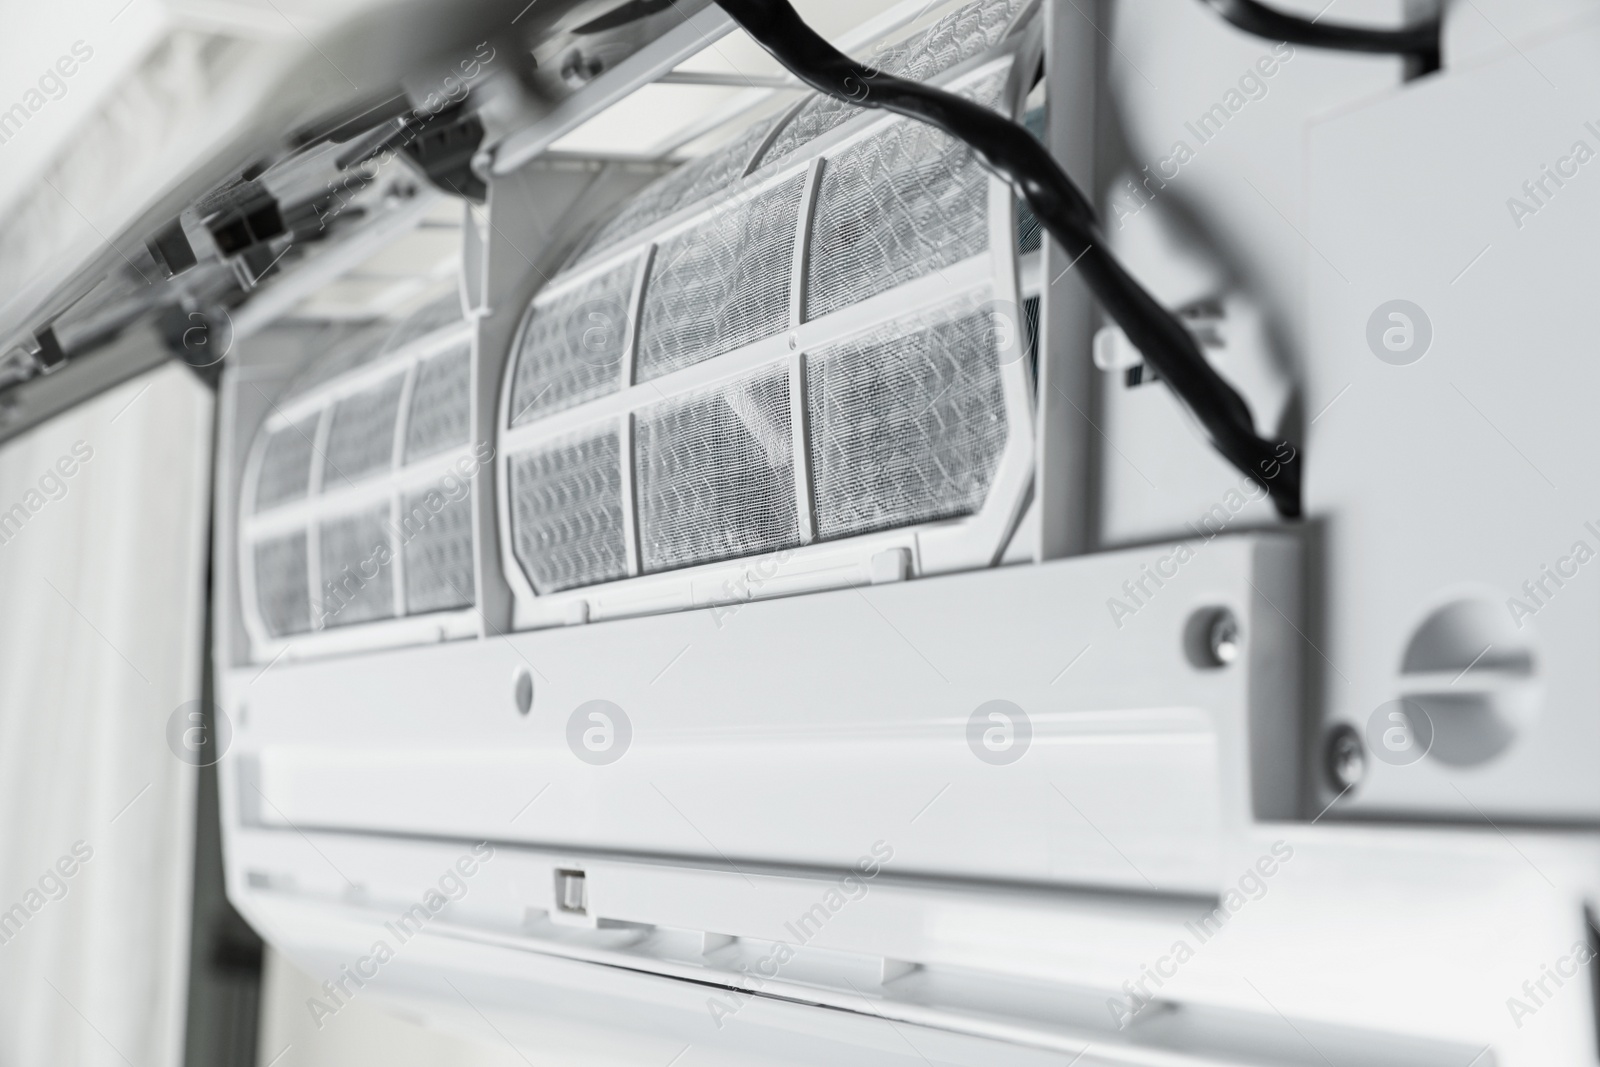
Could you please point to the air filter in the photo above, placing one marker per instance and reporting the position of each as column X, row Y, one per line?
column 787, row 351
column 356, row 508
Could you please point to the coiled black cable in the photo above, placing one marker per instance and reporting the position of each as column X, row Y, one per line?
column 1420, row 41
column 1010, row 151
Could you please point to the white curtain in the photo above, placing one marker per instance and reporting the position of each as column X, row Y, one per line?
column 103, row 522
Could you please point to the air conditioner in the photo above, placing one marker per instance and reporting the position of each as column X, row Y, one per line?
column 749, row 599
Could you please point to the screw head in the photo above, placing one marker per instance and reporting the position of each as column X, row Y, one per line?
column 1222, row 638
column 1346, row 758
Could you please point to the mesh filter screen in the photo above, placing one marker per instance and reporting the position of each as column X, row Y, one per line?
column 361, row 436
column 357, row 554
column 434, row 315
column 286, row 465
column 910, row 417
column 359, row 349
column 357, row 570
column 716, row 474
column 572, row 345
column 437, row 542
column 721, row 284
column 440, row 404
column 281, row 583
column 566, row 512
column 957, row 37
column 1030, row 337
column 907, row 422
column 689, row 184
column 904, row 202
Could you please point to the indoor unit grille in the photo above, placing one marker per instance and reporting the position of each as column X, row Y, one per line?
column 356, row 505
column 807, row 356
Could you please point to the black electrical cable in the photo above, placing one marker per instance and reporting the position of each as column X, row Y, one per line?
column 1420, row 40
column 1015, row 154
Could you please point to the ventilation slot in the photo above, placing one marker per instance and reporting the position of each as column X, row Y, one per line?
column 1029, row 232
column 721, row 284
column 1030, row 324
column 572, row 345
column 907, row 422
column 716, row 474
column 357, row 576
column 566, row 512
column 440, row 405
column 437, row 543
